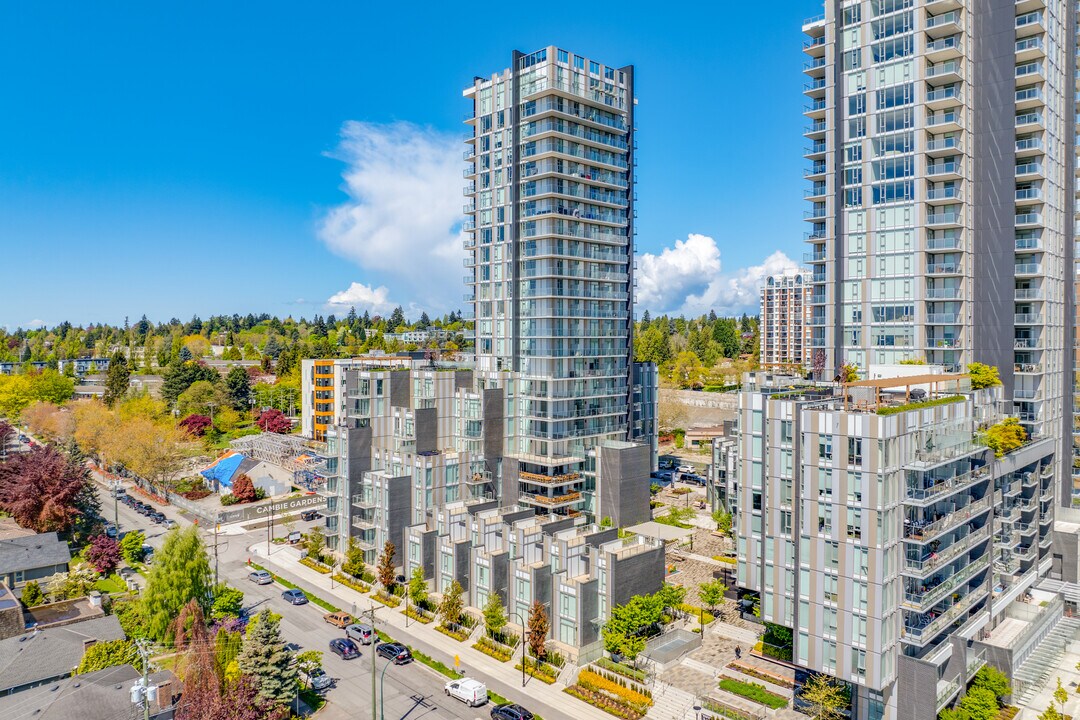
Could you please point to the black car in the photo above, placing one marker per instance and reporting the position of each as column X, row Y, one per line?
column 395, row 652
column 157, row 517
column 344, row 648
column 294, row 596
column 310, row 515
column 510, row 711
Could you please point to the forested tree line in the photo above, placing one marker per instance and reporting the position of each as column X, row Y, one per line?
column 696, row 352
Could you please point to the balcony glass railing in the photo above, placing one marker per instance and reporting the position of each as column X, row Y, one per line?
column 946, row 93
column 1030, row 43
column 943, row 168
column 948, row 193
column 1029, row 144
column 943, row 19
column 949, row 43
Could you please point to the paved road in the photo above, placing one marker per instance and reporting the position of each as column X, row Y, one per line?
column 413, row 691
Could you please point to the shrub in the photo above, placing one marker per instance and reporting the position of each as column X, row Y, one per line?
column 386, row 599
column 459, row 635
column 32, row 595
column 103, row 554
column 717, row 708
column 1004, row 437
column 314, row 565
column 752, row 671
column 594, row 681
column 919, row 405
column 752, row 691
column 702, row 616
column 493, row 649
column 603, row 702
column 983, row 375
column 352, row 583
column 624, row 670
column 243, row 489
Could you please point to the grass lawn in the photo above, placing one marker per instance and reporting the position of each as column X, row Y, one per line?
column 110, row 584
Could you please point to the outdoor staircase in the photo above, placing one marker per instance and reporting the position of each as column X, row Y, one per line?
column 1036, row 669
column 671, row 703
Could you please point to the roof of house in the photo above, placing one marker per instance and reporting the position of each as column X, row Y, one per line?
column 100, row 695
column 45, row 654
column 32, row 551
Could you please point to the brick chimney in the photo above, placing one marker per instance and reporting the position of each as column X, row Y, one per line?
column 88, row 643
column 164, row 695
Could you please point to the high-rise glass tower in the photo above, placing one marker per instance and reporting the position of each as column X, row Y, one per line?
column 941, row 151
column 550, row 255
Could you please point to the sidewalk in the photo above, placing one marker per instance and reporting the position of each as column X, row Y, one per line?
column 547, row 700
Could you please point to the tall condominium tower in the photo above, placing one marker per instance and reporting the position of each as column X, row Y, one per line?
column 941, row 182
column 550, row 255
column 785, row 314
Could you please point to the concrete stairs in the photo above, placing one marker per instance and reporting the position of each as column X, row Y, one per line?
column 1036, row 669
column 671, row 703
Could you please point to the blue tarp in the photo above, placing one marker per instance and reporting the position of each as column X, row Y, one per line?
column 223, row 469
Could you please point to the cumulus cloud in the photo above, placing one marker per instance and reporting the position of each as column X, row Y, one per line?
column 402, row 219
column 363, row 297
column 689, row 279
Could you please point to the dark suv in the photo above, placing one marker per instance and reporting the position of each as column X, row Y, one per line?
column 510, row 711
column 395, row 652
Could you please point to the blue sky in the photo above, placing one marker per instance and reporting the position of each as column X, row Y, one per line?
column 176, row 161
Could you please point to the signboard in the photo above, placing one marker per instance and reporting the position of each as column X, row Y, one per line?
column 278, row 509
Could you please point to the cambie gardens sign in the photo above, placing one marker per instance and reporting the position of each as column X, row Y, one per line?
column 278, row 509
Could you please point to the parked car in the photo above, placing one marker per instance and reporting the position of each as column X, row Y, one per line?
column 685, row 469
column 148, row 554
column 310, row 515
column 119, row 492
column 317, row 679
column 510, row 711
column 344, row 648
column 157, row 517
column 170, row 523
column 111, row 531
column 361, row 633
column 294, row 596
column 338, row 619
column 260, row 577
column 395, row 652
column 471, row 692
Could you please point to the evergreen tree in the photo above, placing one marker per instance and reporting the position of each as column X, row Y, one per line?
column 397, row 318
column 265, row 658
column 238, row 388
column 185, row 354
column 645, row 319
column 425, row 321
column 725, row 332
column 272, row 348
column 117, row 379
column 181, row 572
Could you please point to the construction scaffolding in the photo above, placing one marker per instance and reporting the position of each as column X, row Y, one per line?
column 299, row 456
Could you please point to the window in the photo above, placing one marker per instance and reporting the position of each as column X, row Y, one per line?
column 825, row 519
column 853, row 59
column 854, row 450
column 825, row 447
column 854, row 523
column 830, row 588
column 785, row 522
column 830, row 622
column 594, row 67
column 564, row 57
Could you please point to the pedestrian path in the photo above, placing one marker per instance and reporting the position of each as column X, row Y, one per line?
column 500, row 677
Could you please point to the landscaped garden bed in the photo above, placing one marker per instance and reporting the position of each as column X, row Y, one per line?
column 461, row 635
column 752, row 691
column 778, row 680
column 351, row 582
column 493, row 649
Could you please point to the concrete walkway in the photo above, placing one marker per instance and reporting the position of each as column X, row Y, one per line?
column 547, row 700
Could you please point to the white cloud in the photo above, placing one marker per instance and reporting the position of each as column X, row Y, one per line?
column 403, row 215
column 35, row 323
column 688, row 279
column 363, row 297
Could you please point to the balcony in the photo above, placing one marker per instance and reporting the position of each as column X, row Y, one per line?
column 1022, row 269
column 814, row 214
column 816, row 149
column 1027, row 368
column 942, row 318
column 1026, row 344
column 815, row 129
column 1029, row 24
column 944, row 171
column 945, row 24
column 943, row 97
column 1028, row 293
column 944, row 121
column 1030, row 48
column 817, row 191
column 944, row 72
column 817, row 168
column 815, row 88
column 1027, row 219
column 1029, row 146
column 926, row 627
column 549, row 480
column 944, row 488
column 547, row 501
column 1031, row 194
column 1030, row 71
column 814, row 257
column 1029, row 120
column 944, row 218
column 925, row 599
column 814, row 66
column 925, row 531
column 815, row 109
column 944, row 268
column 948, row 48
column 1027, row 319
column 949, row 293
column 1028, row 169
column 1029, row 98
column 922, row 568
column 943, row 146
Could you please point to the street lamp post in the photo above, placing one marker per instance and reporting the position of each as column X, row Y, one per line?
column 382, row 691
column 524, row 643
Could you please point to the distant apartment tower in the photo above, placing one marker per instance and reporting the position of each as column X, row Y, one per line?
column 550, row 244
column 941, row 183
column 785, row 321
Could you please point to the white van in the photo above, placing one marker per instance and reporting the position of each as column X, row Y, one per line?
column 361, row 633
column 471, row 692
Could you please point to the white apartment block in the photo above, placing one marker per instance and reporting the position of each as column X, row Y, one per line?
column 785, row 322
column 899, row 550
column 941, row 169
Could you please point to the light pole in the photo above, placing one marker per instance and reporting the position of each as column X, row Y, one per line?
column 382, row 691
column 524, row 643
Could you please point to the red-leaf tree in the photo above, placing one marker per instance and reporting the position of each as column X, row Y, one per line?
column 195, row 424
column 44, row 490
column 274, row 421
column 243, row 489
column 6, row 433
column 103, row 553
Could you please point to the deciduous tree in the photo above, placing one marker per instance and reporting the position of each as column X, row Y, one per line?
column 273, row 421
column 181, row 572
column 196, row 425
column 32, row 595
column 131, row 546
column 494, row 615
column 418, row 591
column 823, row 698
column 712, row 593
column 109, row 654
column 45, row 491
column 243, row 489
column 385, row 570
column 103, row 554
column 452, row 605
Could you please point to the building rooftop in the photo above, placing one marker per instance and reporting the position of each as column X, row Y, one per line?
column 43, row 655
column 100, row 695
column 32, row 551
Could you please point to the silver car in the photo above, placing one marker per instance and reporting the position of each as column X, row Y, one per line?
column 261, row 577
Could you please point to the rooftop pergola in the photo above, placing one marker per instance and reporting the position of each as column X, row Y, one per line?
column 934, row 381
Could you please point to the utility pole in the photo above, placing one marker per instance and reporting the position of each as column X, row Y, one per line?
column 144, row 653
column 116, row 506
column 374, row 641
